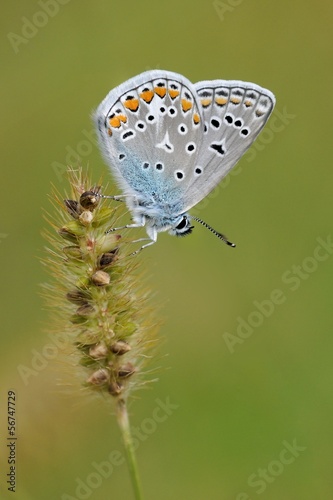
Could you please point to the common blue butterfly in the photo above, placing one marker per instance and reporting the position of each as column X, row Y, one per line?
column 169, row 142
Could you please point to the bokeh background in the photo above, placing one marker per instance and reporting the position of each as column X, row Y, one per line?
column 241, row 398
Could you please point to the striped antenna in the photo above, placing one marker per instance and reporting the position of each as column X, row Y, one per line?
column 219, row 235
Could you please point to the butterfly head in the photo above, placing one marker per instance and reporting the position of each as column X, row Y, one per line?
column 181, row 226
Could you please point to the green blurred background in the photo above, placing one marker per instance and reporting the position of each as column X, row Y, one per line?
column 240, row 404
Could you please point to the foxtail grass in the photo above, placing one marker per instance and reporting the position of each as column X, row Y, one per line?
column 96, row 298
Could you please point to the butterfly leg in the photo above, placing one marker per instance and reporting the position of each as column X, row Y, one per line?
column 118, row 197
column 151, row 242
column 112, row 229
column 152, row 233
column 140, row 223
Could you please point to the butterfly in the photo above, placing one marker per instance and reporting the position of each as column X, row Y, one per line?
column 170, row 142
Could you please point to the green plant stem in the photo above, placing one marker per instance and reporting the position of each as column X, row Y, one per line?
column 123, row 422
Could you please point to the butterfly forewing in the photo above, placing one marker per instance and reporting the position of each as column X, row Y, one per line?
column 234, row 113
column 151, row 130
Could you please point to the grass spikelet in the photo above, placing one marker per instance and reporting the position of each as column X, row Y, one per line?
column 96, row 298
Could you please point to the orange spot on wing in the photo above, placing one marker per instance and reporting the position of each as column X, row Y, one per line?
column 109, row 132
column 115, row 122
column 173, row 93
column 186, row 105
column 248, row 103
column 221, row 101
column 160, row 91
column 131, row 104
column 196, row 118
column 259, row 113
column 122, row 118
column 147, row 96
column 206, row 102
column 235, row 100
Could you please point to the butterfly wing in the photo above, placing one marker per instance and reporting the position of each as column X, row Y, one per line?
column 150, row 129
column 172, row 142
column 234, row 113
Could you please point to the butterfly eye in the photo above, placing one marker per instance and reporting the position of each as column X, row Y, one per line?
column 182, row 223
column 183, row 227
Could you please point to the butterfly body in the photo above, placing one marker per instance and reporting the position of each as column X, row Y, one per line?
column 170, row 142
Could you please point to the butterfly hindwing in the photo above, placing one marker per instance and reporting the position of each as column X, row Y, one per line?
column 234, row 113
